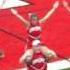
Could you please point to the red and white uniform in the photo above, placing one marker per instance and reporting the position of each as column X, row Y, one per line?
column 38, row 62
column 33, row 33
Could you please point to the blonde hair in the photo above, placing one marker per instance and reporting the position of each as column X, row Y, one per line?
column 33, row 16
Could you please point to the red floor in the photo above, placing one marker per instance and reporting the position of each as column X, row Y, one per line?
column 56, row 32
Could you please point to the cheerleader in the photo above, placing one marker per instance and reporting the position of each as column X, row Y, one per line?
column 33, row 25
column 37, row 57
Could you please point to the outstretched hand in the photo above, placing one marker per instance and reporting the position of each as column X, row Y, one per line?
column 52, row 54
column 56, row 4
column 51, row 57
column 65, row 3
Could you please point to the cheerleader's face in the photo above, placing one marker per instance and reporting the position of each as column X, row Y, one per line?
column 34, row 20
column 36, row 48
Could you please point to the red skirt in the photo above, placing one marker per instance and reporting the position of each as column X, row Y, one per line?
column 39, row 66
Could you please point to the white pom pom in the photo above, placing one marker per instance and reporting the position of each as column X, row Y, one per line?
column 36, row 42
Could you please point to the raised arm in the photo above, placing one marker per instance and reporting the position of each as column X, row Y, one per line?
column 55, row 6
column 66, row 5
column 15, row 12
